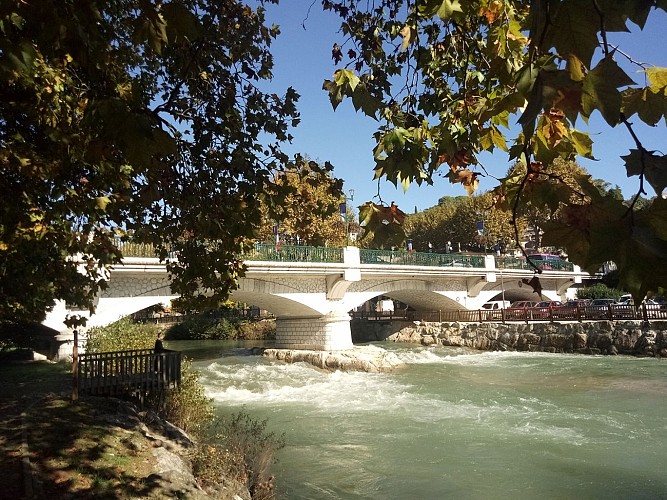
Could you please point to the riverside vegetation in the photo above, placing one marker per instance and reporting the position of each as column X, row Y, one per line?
column 174, row 447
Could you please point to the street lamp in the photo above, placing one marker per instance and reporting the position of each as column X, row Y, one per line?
column 343, row 214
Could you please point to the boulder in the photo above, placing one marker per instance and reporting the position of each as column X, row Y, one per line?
column 365, row 358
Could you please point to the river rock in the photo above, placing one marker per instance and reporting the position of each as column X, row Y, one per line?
column 366, row 358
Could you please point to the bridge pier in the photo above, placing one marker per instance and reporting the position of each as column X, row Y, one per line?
column 326, row 333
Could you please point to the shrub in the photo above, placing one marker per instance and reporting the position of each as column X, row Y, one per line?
column 187, row 406
column 192, row 328
column 599, row 291
column 257, row 330
column 202, row 328
column 239, row 449
column 222, row 329
column 123, row 335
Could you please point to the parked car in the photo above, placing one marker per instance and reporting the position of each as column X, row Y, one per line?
column 492, row 309
column 577, row 303
column 522, row 304
column 544, row 309
column 626, row 300
column 601, row 302
column 571, row 309
column 599, row 308
column 549, row 303
column 518, row 309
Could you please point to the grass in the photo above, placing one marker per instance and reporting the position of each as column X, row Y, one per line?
column 83, row 450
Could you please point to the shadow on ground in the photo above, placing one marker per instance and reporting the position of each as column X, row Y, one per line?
column 53, row 448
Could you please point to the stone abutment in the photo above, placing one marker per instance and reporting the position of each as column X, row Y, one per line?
column 635, row 338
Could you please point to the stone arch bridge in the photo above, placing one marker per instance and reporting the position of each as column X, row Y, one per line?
column 311, row 290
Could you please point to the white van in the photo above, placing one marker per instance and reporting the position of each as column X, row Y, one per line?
column 626, row 300
column 496, row 304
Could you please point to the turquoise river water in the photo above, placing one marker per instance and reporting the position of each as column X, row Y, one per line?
column 455, row 424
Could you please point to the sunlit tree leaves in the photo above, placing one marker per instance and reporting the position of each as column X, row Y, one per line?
column 480, row 64
column 382, row 226
column 303, row 202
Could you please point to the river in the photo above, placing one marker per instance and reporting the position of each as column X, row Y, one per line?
column 455, row 424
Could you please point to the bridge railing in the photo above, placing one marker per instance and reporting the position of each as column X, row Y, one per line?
column 294, row 253
column 132, row 249
column 121, row 372
column 521, row 263
column 297, row 253
column 612, row 312
column 403, row 257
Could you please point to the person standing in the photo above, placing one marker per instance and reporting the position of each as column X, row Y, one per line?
column 159, row 354
column 159, row 346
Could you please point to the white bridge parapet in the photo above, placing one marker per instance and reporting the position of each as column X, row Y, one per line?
column 311, row 300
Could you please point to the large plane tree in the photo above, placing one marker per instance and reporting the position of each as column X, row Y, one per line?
column 448, row 80
column 125, row 118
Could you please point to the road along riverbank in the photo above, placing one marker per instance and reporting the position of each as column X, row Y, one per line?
column 635, row 338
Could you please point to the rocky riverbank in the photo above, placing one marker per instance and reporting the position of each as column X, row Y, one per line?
column 366, row 358
column 635, row 338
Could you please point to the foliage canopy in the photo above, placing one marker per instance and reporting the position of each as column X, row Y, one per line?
column 121, row 118
column 303, row 201
column 446, row 79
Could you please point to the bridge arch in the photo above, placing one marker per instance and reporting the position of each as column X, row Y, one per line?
column 417, row 293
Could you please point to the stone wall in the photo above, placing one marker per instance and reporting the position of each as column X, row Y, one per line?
column 596, row 337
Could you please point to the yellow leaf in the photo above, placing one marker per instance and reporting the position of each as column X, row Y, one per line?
column 575, row 67
column 657, row 77
column 408, row 35
column 101, row 202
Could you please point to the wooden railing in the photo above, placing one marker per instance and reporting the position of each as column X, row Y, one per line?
column 123, row 372
column 613, row 312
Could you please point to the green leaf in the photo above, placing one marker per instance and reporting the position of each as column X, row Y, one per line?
column 180, row 22
column 533, row 109
column 364, row 101
column 656, row 217
column 653, row 167
column 600, row 90
column 582, row 143
column 575, row 68
column 335, row 93
column 526, row 77
column 493, row 138
column 448, row 8
column 573, row 30
column 346, row 78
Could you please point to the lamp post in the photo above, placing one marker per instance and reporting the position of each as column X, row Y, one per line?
column 343, row 214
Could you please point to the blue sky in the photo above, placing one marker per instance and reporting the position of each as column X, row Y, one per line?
column 345, row 138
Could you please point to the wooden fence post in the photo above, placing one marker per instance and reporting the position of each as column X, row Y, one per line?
column 75, row 366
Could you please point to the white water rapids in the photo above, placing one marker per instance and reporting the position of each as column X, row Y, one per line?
column 458, row 424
